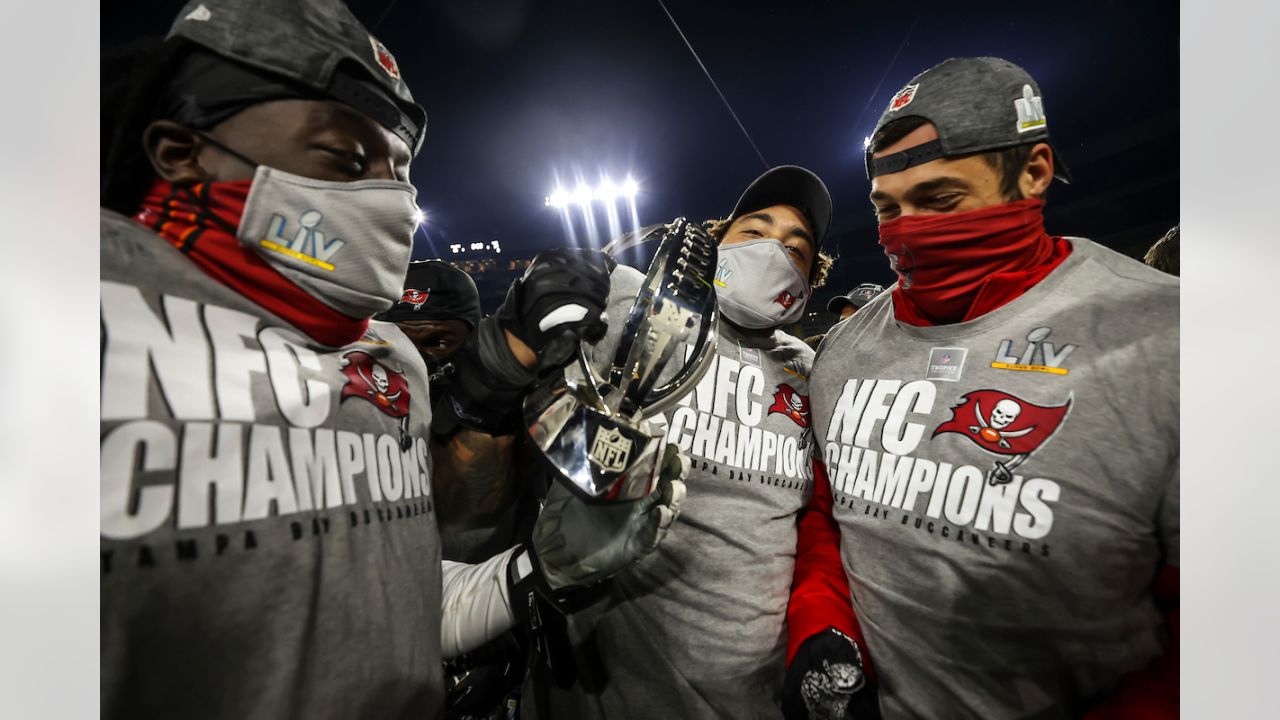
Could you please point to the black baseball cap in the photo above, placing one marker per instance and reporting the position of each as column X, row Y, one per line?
column 978, row 104
column 790, row 185
column 857, row 297
column 436, row 290
column 317, row 45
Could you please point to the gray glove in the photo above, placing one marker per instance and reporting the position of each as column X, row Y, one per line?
column 579, row 544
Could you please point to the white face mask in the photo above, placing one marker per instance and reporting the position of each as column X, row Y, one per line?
column 758, row 286
column 347, row 244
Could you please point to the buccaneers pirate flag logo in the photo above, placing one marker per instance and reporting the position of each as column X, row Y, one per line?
column 384, row 388
column 1004, row 424
column 416, row 298
column 792, row 404
column 786, row 299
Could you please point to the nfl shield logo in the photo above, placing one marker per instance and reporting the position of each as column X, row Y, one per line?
column 904, row 97
column 610, row 449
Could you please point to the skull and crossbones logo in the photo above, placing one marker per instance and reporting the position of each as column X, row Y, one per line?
column 795, row 402
column 1003, row 415
column 379, row 383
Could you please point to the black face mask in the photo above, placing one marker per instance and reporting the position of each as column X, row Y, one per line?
column 437, row 369
column 439, row 375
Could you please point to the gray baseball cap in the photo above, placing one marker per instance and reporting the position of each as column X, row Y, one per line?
column 977, row 104
column 318, row 44
column 790, row 185
column 857, row 297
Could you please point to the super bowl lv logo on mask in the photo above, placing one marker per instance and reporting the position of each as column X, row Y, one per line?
column 308, row 243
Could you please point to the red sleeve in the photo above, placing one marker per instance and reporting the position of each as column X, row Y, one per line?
column 820, row 590
column 1150, row 694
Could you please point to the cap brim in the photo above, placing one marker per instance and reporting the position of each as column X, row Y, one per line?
column 790, row 185
column 1060, row 170
column 838, row 303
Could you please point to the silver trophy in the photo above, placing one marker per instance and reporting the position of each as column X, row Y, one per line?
column 594, row 426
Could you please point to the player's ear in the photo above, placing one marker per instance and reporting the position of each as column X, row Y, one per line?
column 174, row 152
column 1037, row 174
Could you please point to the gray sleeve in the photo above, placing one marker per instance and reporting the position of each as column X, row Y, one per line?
column 624, row 283
column 1167, row 517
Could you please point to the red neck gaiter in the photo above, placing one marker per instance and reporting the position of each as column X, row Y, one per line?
column 201, row 220
column 959, row 266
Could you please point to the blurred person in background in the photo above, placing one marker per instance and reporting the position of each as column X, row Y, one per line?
column 845, row 306
column 848, row 304
column 438, row 310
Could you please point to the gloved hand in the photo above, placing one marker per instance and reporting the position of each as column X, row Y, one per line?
column 559, row 300
column 825, row 681
column 577, row 544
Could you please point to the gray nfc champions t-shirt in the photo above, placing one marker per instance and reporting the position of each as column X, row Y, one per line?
column 696, row 629
column 268, row 542
column 1007, row 488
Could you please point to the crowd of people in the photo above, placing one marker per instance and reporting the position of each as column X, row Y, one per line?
column 318, row 498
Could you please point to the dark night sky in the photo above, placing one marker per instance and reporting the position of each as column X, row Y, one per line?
column 517, row 91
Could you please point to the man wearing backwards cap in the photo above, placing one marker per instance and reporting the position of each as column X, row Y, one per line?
column 269, row 543
column 999, row 435
column 696, row 629
column 855, row 300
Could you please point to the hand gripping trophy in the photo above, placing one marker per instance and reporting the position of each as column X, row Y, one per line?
column 594, row 427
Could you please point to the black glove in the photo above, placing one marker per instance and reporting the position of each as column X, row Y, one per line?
column 825, row 681
column 478, row 684
column 559, row 300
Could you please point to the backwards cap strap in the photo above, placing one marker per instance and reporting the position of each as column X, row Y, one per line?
column 208, row 88
column 900, row 161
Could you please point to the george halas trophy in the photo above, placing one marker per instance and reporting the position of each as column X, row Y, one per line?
column 594, row 426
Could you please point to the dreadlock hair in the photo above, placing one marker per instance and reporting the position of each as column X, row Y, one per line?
column 1007, row 162
column 1164, row 254
column 135, row 80
column 822, row 262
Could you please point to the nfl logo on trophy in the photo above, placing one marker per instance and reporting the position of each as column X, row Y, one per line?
column 610, row 450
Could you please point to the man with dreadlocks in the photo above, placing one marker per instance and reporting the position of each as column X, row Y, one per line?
column 269, row 540
column 696, row 629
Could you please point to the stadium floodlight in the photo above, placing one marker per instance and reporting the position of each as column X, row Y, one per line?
column 866, row 142
column 583, row 196
column 558, row 198
column 606, row 191
column 419, row 216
